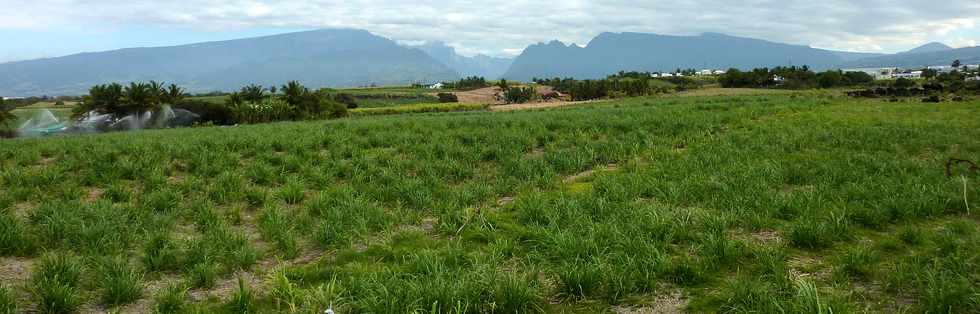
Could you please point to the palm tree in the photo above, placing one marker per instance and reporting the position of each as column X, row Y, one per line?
column 173, row 95
column 294, row 92
column 253, row 93
column 104, row 99
column 140, row 97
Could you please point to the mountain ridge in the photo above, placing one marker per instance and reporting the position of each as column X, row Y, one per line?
column 611, row 52
column 342, row 57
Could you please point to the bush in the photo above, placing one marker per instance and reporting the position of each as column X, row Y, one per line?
column 448, row 98
column 214, row 113
column 7, row 119
column 519, row 95
column 346, row 99
column 268, row 110
column 904, row 83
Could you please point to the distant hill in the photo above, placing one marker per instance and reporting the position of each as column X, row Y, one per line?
column 479, row 65
column 329, row 57
column 930, row 47
column 970, row 55
column 612, row 52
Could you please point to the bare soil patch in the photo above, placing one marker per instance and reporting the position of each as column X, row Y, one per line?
column 487, row 95
column 672, row 302
column 589, row 173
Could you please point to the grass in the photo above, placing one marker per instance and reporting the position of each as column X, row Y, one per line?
column 772, row 202
column 370, row 97
column 56, row 283
column 418, row 108
column 121, row 283
column 8, row 302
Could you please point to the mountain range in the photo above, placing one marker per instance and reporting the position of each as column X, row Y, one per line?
column 351, row 57
column 328, row 57
column 930, row 57
column 613, row 52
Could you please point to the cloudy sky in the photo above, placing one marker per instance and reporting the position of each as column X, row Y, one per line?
column 47, row 28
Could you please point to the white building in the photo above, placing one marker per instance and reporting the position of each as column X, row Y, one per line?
column 909, row 75
column 942, row 68
column 436, row 86
column 877, row 73
column 719, row 72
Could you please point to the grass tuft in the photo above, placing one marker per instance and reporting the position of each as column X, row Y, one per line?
column 120, row 282
column 55, row 283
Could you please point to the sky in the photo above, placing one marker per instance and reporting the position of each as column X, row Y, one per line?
column 32, row 29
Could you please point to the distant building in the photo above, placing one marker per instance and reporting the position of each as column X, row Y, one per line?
column 877, row 73
column 436, row 86
column 719, row 72
column 909, row 75
column 942, row 68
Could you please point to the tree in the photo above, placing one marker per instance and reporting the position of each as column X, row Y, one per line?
column 141, row 97
column 957, row 64
column 252, row 93
column 928, row 73
column 504, row 86
column 904, row 83
column 830, row 79
column 7, row 116
column 173, row 95
column 293, row 92
column 102, row 99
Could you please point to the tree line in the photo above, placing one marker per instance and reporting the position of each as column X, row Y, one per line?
column 467, row 83
column 251, row 104
column 792, row 78
column 615, row 86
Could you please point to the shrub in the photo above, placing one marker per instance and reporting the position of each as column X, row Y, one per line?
column 267, row 110
column 209, row 112
column 346, row 99
column 519, row 95
column 7, row 119
column 447, row 98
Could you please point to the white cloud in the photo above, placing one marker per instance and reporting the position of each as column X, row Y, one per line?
column 499, row 27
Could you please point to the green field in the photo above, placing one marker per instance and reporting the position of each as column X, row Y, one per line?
column 375, row 97
column 792, row 202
